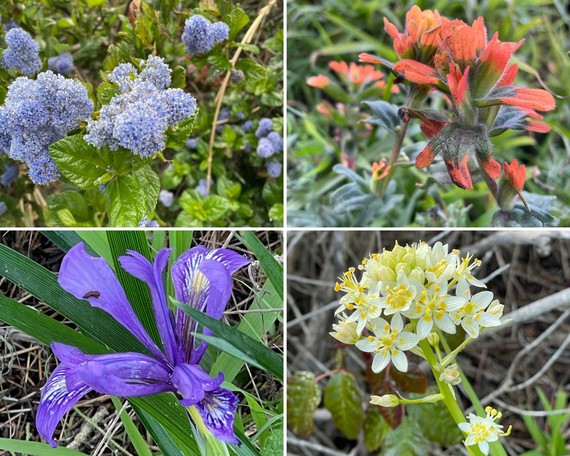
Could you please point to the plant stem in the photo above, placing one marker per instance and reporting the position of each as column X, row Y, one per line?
column 495, row 447
column 395, row 153
column 445, row 389
column 263, row 12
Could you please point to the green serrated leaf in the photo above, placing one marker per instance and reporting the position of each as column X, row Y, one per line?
column 236, row 20
column 343, row 399
column 276, row 214
column 131, row 197
column 178, row 77
column 254, row 49
column 375, row 429
column 72, row 202
column 79, row 161
column 220, row 62
column 88, row 166
column 406, row 440
column 178, row 135
column 303, row 398
column 105, row 92
column 251, row 69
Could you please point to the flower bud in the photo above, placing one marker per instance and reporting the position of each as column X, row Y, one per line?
column 450, row 375
column 388, row 400
column 433, row 339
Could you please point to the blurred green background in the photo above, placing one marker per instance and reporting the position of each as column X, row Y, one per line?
column 340, row 30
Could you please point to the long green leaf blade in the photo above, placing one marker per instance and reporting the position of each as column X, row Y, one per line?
column 44, row 328
column 36, row 448
column 269, row 264
column 134, row 435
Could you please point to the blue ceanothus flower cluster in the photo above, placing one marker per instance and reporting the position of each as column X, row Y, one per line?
column 200, row 35
column 22, row 52
column 62, row 63
column 137, row 118
column 38, row 113
column 270, row 143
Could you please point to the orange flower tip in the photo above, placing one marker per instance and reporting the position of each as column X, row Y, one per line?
column 369, row 58
column 417, row 72
column 538, row 127
column 459, row 173
column 380, row 169
column 535, row 99
column 492, row 168
column 320, row 81
column 391, row 29
column 425, row 157
column 516, row 174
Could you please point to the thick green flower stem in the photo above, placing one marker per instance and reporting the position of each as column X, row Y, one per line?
column 207, row 443
column 395, row 153
column 445, row 390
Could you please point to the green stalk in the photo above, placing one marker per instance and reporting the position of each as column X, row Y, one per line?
column 495, row 447
column 445, row 390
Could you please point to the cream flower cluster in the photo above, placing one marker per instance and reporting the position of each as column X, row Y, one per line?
column 428, row 286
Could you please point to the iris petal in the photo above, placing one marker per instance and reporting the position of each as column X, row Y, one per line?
column 138, row 266
column 218, row 410
column 192, row 382
column 55, row 402
column 92, row 279
column 118, row 374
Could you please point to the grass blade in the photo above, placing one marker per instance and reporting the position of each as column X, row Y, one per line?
column 136, row 290
column 269, row 264
column 36, row 448
column 134, row 435
column 44, row 328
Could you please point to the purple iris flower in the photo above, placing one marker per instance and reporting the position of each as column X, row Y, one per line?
column 202, row 279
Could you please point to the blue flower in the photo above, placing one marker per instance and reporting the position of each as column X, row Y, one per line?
column 191, row 143
column 138, row 117
column 276, row 141
column 247, row 125
column 22, row 53
column 200, row 34
column 166, row 198
column 202, row 187
column 38, row 113
column 9, row 175
column 265, row 126
column 274, row 169
column 155, row 71
column 62, row 63
column 265, row 148
column 202, row 279
column 3, row 208
column 236, row 76
column 220, row 31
